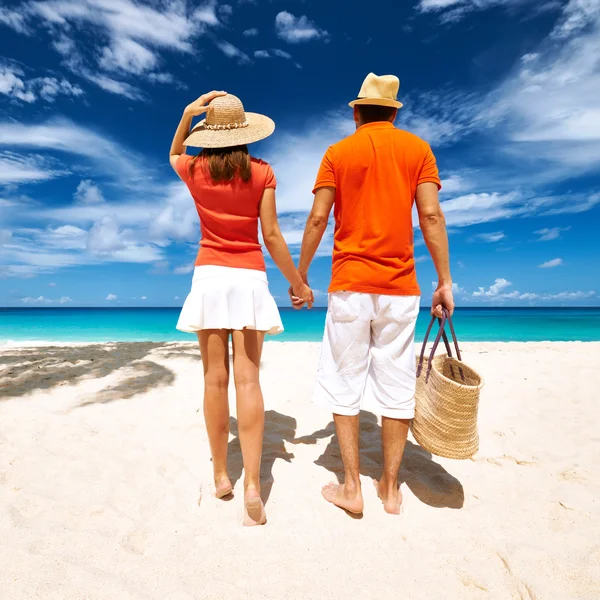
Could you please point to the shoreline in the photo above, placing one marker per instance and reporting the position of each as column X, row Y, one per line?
column 60, row 344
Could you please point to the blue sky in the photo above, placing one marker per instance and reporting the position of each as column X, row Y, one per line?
column 505, row 91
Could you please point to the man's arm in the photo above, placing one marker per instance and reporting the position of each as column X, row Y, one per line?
column 433, row 226
column 315, row 228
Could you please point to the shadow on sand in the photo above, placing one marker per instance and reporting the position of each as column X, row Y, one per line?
column 28, row 369
column 427, row 480
column 279, row 428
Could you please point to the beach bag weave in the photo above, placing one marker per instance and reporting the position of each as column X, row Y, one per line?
column 447, row 399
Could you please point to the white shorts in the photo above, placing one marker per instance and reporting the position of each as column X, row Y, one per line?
column 229, row 298
column 368, row 355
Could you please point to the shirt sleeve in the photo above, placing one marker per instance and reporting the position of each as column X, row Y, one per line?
column 429, row 170
column 270, row 181
column 182, row 166
column 326, row 175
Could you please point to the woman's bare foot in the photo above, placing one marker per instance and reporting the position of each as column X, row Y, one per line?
column 390, row 496
column 254, row 509
column 223, row 487
column 338, row 494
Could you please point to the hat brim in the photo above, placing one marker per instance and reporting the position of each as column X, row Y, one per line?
column 259, row 127
column 376, row 102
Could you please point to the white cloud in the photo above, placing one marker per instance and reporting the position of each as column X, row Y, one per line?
column 143, row 298
column 14, row 84
column 64, row 45
column 176, row 298
column 494, row 290
column 129, row 56
column 471, row 209
column 163, row 78
column 65, row 300
column 16, row 168
column 515, row 295
column 275, row 52
column 231, row 51
column 294, row 29
column 183, row 270
column 177, row 218
column 225, row 11
column 454, row 184
column 134, row 35
column 251, row 32
column 549, row 234
column 88, row 193
column 111, row 297
column 555, row 262
column 39, row 300
column 120, row 88
column 13, row 19
column 481, row 208
column 282, row 54
column 565, row 132
column 104, row 237
column 439, row 118
column 64, row 136
column 491, row 237
column 579, row 295
column 65, row 237
column 52, row 284
column 454, row 10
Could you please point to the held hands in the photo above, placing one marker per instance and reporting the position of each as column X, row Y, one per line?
column 201, row 105
column 442, row 297
column 300, row 295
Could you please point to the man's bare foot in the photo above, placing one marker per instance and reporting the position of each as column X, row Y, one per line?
column 390, row 496
column 254, row 509
column 223, row 487
column 338, row 494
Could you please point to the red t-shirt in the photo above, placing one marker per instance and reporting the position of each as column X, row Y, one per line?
column 228, row 214
column 375, row 173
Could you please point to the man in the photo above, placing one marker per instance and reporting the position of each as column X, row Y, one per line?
column 372, row 179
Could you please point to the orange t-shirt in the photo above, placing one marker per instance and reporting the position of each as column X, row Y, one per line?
column 375, row 173
column 228, row 214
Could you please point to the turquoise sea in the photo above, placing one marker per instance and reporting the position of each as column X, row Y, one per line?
column 158, row 324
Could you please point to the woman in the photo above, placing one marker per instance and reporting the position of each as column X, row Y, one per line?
column 230, row 294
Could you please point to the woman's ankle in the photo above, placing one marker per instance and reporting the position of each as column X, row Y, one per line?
column 220, row 475
column 252, row 485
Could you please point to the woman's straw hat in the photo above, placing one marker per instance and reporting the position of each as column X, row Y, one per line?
column 380, row 90
column 228, row 124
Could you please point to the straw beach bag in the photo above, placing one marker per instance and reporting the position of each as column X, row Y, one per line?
column 447, row 399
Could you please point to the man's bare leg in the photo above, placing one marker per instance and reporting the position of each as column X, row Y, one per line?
column 393, row 434
column 347, row 495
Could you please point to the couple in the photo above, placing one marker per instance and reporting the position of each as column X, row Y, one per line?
column 371, row 180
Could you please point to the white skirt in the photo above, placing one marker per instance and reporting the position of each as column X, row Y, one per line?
column 229, row 298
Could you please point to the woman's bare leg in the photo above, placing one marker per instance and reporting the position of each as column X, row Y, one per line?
column 247, row 349
column 214, row 347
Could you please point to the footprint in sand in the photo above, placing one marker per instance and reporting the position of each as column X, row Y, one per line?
column 136, row 542
column 574, row 474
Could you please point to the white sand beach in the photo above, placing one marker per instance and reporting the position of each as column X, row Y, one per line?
column 103, row 451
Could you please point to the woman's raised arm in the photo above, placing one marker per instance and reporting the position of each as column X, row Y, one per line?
column 192, row 110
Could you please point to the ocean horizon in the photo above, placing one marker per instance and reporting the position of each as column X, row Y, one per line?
column 472, row 324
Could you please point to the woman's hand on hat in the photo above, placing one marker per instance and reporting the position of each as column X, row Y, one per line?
column 201, row 105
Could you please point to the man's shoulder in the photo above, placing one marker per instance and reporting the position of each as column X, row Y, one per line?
column 411, row 138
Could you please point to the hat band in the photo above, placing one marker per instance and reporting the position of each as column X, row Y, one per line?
column 225, row 126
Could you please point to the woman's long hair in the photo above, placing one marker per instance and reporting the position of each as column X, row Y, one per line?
column 224, row 164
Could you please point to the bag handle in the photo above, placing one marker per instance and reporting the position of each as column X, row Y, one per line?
column 440, row 335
